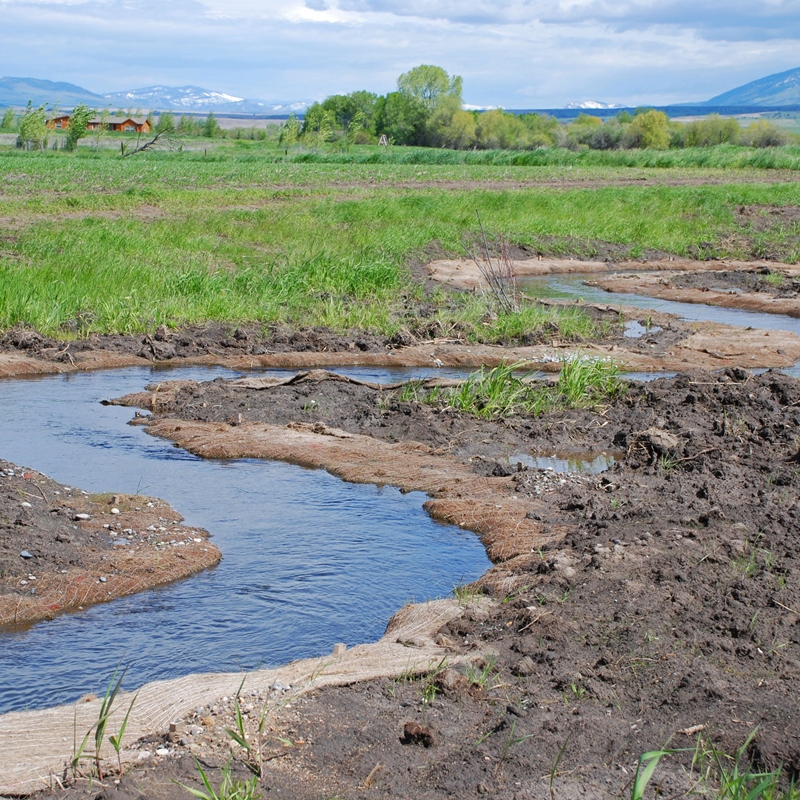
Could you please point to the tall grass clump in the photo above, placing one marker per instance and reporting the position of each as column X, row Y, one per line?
column 505, row 390
column 585, row 381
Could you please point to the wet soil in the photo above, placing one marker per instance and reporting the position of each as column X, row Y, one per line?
column 62, row 549
column 211, row 339
column 672, row 344
column 764, row 280
column 667, row 612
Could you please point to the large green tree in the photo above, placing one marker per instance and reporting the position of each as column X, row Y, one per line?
column 343, row 113
column 650, row 130
column 428, row 85
column 8, row 120
column 401, row 118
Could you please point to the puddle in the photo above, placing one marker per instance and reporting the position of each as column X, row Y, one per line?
column 585, row 463
column 635, row 330
column 308, row 560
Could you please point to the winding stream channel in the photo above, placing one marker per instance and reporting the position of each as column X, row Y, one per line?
column 308, row 560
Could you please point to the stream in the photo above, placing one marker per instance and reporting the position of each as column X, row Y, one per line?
column 308, row 560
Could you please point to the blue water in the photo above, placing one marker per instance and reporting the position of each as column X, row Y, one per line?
column 308, row 560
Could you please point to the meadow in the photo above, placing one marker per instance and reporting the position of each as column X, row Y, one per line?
column 95, row 243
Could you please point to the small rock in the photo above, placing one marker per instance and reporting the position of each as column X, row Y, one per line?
column 524, row 667
column 115, row 511
column 412, row 641
column 26, row 554
column 450, row 681
column 26, row 504
column 102, row 580
column 144, row 755
column 444, row 641
column 81, row 517
column 162, row 751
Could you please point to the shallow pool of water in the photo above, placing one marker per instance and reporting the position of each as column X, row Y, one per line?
column 582, row 463
column 308, row 560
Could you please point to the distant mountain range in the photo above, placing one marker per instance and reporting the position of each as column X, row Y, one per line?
column 595, row 104
column 781, row 89
column 17, row 92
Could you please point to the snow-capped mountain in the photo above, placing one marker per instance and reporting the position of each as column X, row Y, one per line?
column 16, row 92
column 197, row 99
column 592, row 104
column 188, row 98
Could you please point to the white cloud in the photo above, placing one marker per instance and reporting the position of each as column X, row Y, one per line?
column 510, row 52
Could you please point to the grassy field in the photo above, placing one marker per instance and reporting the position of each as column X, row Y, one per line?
column 98, row 243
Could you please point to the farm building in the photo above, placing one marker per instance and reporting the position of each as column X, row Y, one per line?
column 124, row 124
column 59, row 123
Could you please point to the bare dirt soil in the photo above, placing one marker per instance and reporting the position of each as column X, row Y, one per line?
column 62, row 549
column 666, row 610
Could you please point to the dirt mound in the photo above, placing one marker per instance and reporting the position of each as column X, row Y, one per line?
column 464, row 273
column 761, row 281
column 62, row 549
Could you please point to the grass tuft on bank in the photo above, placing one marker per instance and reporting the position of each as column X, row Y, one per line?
column 502, row 391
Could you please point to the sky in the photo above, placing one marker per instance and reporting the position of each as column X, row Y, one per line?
column 510, row 53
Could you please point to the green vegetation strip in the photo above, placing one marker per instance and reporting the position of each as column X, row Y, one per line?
column 111, row 245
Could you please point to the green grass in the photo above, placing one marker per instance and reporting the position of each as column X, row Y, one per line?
column 716, row 774
column 502, row 392
column 94, row 243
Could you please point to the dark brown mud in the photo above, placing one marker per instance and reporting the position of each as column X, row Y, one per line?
column 62, row 549
column 666, row 609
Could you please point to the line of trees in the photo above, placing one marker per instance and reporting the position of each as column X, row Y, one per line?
column 427, row 110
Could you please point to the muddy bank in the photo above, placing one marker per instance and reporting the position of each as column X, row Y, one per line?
column 38, row 745
column 746, row 289
column 661, row 609
column 464, row 273
column 62, row 549
column 678, row 345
